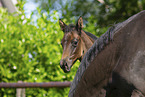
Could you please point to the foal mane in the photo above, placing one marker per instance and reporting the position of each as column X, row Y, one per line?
column 91, row 35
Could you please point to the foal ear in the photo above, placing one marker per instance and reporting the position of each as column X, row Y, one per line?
column 79, row 24
column 62, row 24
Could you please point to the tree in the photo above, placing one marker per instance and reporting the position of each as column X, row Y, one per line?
column 31, row 53
column 104, row 12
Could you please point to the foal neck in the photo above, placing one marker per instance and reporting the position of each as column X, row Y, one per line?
column 87, row 43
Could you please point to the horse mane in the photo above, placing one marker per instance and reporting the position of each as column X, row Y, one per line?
column 96, row 48
column 91, row 35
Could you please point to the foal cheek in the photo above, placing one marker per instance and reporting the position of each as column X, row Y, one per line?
column 66, row 52
column 76, row 54
column 78, row 51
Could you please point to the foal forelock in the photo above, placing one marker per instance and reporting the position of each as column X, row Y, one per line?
column 69, row 28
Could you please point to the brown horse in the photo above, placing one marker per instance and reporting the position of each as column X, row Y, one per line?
column 75, row 43
column 115, row 62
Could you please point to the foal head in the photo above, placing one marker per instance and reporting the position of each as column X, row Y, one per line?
column 75, row 44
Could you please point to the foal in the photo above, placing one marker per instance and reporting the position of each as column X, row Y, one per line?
column 75, row 43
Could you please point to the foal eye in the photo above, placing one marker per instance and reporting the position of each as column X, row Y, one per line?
column 74, row 43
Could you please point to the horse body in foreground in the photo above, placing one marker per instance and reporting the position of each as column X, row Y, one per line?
column 115, row 62
column 75, row 43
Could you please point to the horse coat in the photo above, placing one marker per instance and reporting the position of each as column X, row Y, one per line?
column 115, row 62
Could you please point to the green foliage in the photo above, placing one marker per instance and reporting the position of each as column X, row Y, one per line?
column 114, row 11
column 104, row 12
column 31, row 53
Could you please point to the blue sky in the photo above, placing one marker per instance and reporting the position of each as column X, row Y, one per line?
column 29, row 7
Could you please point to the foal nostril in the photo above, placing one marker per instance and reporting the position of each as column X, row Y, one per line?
column 63, row 64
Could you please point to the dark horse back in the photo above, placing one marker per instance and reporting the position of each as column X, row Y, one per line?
column 116, row 62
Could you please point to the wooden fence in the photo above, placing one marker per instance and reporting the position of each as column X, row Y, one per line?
column 20, row 86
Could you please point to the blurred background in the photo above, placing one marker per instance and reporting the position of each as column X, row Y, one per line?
column 30, row 37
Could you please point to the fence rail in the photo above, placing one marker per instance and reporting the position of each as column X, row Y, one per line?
column 35, row 85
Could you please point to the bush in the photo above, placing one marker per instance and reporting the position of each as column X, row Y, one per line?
column 32, row 53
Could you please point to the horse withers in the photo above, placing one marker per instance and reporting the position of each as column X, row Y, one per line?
column 75, row 43
column 115, row 62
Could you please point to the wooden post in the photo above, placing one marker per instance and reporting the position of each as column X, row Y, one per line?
column 20, row 92
column 10, row 6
